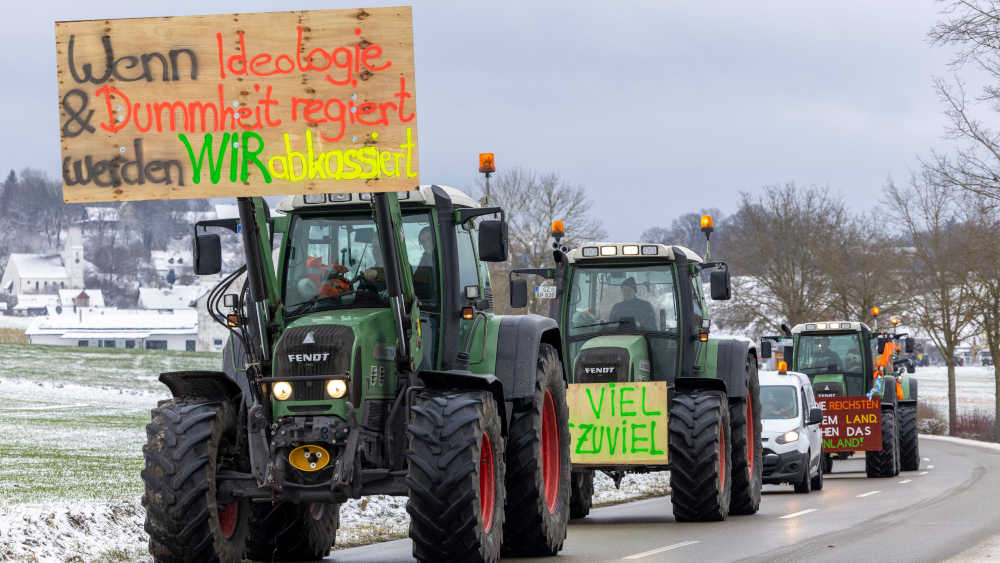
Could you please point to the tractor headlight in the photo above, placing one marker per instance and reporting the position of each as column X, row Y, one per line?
column 788, row 437
column 281, row 390
column 336, row 388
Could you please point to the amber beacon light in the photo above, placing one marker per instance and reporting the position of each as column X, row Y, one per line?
column 486, row 165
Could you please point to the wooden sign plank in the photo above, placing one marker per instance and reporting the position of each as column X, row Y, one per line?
column 237, row 105
column 619, row 423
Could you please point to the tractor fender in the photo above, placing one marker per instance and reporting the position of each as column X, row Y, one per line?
column 731, row 366
column 200, row 386
column 234, row 365
column 462, row 380
column 517, row 352
column 686, row 384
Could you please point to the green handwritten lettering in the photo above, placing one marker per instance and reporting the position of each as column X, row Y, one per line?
column 652, row 439
column 643, row 405
column 600, row 405
column 637, row 438
column 622, row 401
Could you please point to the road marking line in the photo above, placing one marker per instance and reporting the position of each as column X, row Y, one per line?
column 670, row 547
column 930, row 467
column 799, row 513
column 868, row 494
column 905, row 481
column 927, row 459
column 923, row 473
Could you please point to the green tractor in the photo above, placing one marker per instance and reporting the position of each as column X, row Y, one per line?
column 364, row 359
column 849, row 360
column 649, row 389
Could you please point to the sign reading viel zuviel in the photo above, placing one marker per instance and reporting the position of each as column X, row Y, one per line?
column 618, row 423
column 237, row 105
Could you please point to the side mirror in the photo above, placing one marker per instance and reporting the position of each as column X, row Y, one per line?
column 881, row 346
column 787, row 354
column 909, row 345
column 765, row 349
column 518, row 293
column 207, row 255
column 815, row 416
column 910, row 368
column 493, row 246
column 719, row 281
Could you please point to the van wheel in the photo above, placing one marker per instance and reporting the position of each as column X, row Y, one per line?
column 817, row 481
column 804, row 485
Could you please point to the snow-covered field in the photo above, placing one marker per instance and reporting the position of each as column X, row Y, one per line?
column 975, row 387
column 71, row 433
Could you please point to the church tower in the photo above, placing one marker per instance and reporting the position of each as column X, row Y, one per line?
column 72, row 256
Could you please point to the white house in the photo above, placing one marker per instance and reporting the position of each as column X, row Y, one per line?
column 46, row 273
column 36, row 304
column 169, row 298
column 165, row 261
column 118, row 328
column 80, row 298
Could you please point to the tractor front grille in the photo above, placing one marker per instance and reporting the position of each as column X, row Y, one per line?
column 599, row 365
column 310, row 352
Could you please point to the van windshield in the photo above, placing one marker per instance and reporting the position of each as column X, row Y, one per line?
column 778, row 402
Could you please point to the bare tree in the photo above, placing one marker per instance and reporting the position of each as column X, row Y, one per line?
column 865, row 269
column 779, row 244
column 686, row 231
column 532, row 202
column 939, row 301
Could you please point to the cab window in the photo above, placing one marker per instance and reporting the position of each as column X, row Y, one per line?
column 421, row 252
column 467, row 266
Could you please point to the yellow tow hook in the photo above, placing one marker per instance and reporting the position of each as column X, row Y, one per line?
column 309, row 458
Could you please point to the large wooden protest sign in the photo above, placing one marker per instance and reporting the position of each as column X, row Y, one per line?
column 851, row 423
column 618, row 423
column 237, row 104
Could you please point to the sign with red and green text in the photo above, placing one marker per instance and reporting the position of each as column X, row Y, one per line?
column 237, row 105
column 851, row 423
column 618, row 423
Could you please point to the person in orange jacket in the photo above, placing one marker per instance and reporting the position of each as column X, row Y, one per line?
column 329, row 278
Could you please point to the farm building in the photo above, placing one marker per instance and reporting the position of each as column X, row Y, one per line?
column 118, row 328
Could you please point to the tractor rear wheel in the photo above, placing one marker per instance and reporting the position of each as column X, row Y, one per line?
column 909, row 444
column 883, row 463
column 538, row 464
column 826, row 462
column 456, row 476
column 187, row 445
column 700, row 456
column 287, row 531
column 582, row 494
column 747, row 451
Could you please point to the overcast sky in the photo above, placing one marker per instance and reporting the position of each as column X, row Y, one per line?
column 656, row 108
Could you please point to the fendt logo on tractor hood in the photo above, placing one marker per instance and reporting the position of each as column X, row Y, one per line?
column 317, row 357
column 599, row 370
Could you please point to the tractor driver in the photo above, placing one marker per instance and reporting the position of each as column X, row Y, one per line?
column 640, row 311
column 822, row 356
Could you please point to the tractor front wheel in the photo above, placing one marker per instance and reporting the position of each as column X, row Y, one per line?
column 538, row 464
column 187, row 446
column 884, row 463
column 456, row 476
column 582, row 495
column 700, row 456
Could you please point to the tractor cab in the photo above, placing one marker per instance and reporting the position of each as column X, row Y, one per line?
column 622, row 320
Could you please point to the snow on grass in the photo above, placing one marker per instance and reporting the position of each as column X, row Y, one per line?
column 72, row 426
column 974, row 387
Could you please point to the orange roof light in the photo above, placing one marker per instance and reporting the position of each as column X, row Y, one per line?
column 706, row 222
column 874, row 311
column 486, row 165
column 894, row 321
column 782, row 366
column 557, row 227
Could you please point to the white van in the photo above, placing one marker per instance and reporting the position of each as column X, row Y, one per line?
column 791, row 437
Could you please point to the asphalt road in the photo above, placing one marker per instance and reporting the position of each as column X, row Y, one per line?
column 948, row 506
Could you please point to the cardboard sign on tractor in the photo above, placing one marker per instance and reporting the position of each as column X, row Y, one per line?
column 620, row 423
column 851, row 423
column 319, row 101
